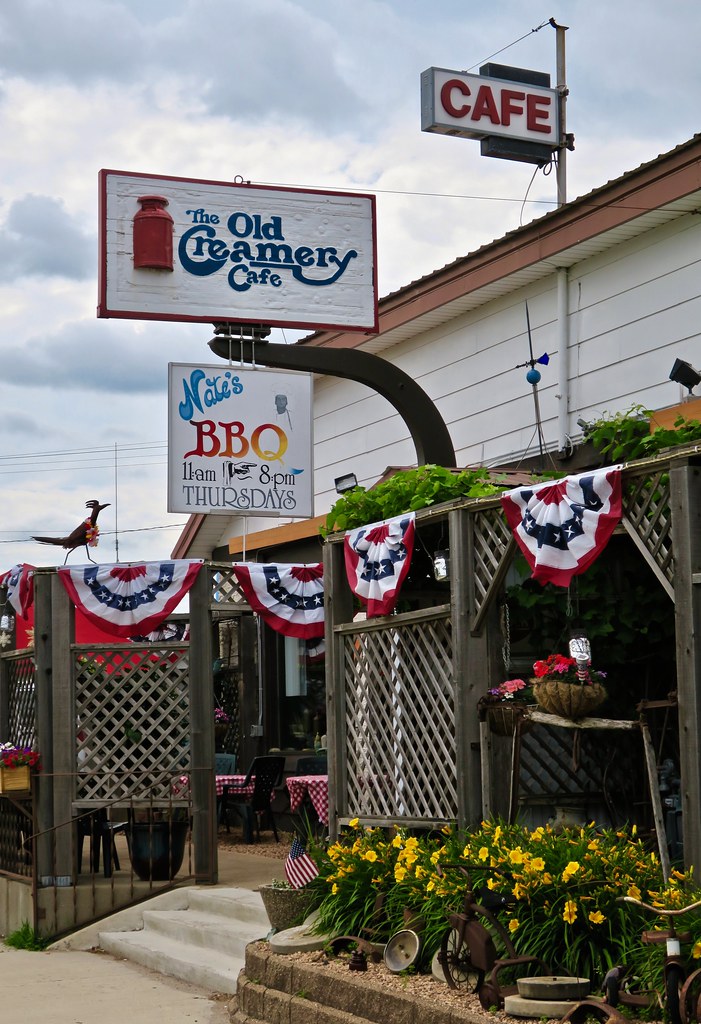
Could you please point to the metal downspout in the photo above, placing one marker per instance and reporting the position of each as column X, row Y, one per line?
column 563, row 352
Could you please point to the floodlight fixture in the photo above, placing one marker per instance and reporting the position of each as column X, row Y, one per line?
column 685, row 374
column 345, row 483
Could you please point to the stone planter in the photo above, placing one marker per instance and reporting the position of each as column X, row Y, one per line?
column 285, row 907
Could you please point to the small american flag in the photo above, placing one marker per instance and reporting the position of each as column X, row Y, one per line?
column 299, row 866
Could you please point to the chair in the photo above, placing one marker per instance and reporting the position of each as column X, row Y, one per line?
column 224, row 764
column 101, row 831
column 265, row 773
column 312, row 766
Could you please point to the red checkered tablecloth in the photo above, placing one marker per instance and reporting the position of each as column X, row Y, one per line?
column 318, row 788
column 181, row 787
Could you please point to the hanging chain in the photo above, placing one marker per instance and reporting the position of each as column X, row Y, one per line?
column 506, row 634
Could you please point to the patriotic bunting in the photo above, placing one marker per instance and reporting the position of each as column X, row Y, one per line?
column 19, row 581
column 299, row 866
column 127, row 600
column 378, row 558
column 290, row 598
column 562, row 526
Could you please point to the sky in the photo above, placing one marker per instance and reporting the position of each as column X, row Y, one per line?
column 299, row 93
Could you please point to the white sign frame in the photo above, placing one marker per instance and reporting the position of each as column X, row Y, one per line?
column 239, row 441
column 241, row 253
column 503, row 101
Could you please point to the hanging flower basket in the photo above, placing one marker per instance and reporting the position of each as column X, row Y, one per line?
column 568, row 700
column 502, row 718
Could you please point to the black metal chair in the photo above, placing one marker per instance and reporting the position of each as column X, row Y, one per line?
column 265, row 773
column 97, row 827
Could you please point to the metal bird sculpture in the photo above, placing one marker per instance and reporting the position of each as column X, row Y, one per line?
column 83, row 536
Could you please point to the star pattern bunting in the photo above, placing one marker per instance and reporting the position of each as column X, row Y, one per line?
column 129, row 600
column 562, row 526
column 290, row 598
column 378, row 557
column 19, row 581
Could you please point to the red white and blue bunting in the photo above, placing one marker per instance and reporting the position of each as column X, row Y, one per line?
column 378, row 558
column 19, row 581
column 290, row 598
column 562, row 526
column 129, row 600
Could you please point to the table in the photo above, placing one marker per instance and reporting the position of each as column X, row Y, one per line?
column 317, row 786
column 234, row 782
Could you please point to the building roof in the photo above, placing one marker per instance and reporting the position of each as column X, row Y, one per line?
column 655, row 193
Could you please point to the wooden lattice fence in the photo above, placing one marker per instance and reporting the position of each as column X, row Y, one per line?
column 132, row 719
column 400, row 721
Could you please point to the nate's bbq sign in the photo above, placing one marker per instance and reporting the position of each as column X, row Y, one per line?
column 239, row 441
column 183, row 249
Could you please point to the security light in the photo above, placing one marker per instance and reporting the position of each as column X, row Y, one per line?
column 685, row 374
column 345, row 483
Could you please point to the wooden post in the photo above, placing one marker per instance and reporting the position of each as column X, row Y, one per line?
column 44, row 781
column 201, row 689
column 338, row 608
column 685, row 500
column 61, row 635
column 470, row 669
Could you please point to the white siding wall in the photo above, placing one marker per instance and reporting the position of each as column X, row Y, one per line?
column 632, row 311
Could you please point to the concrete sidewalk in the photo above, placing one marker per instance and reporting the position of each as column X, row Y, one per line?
column 73, row 986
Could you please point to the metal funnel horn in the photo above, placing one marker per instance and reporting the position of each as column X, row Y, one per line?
column 402, row 951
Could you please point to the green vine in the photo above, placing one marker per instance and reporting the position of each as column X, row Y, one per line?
column 625, row 436
column 408, row 491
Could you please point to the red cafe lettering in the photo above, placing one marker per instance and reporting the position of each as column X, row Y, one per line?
column 497, row 105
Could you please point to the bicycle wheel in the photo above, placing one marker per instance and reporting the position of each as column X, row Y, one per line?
column 673, row 983
column 458, row 969
column 690, row 999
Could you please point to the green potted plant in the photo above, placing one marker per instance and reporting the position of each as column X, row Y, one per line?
column 561, row 688
column 502, row 705
column 16, row 767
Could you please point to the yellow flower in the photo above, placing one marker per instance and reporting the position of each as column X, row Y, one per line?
column 497, row 833
column 397, row 842
column 334, row 888
column 596, row 917
column 431, row 886
column 571, row 869
column 538, row 864
column 491, row 884
column 569, row 914
column 484, row 853
column 399, row 873
column 518, row 891
column 370, row 855
column 696, row 950
column 633, row 891
column 435, row 857
column 513, row 925
column 354, row 823
column 516, row 856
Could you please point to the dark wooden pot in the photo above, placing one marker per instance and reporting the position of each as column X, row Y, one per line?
column 157, row 848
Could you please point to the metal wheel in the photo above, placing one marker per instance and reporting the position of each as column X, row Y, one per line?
column 458, row 969
column 690, row 999
column 673, row 984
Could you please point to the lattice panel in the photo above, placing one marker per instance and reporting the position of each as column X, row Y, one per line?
column 15, row 838
column 132, row 720
column 492, row 538
column 646, row 502
column 400, row 722
column 22, row 709
column 225, row 587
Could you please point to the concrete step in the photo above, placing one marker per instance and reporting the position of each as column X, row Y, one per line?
column 204, row 930
column 203, row 943
column 204, row 967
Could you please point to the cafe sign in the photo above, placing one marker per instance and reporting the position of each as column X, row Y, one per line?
column 239, row 441
column 192, row 250
column 519, row 107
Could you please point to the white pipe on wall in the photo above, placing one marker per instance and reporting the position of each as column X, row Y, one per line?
column 563, row 361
